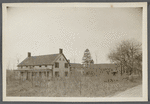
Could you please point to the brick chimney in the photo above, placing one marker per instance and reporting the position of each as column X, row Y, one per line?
column 29, row 54
column 60, row 51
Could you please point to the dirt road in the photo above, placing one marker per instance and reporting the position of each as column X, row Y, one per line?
column 133, row 92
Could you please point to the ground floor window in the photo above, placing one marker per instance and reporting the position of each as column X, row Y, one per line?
column 33, row 73
column 47, row 74
column 56, row 74
column 28, row 75
column 66, row 74
column 40, row 74
column 21, row 73
column 114, row 73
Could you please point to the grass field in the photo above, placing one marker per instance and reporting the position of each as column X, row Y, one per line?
column 75, row 86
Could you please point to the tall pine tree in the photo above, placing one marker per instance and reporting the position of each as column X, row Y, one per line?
column 87, row 59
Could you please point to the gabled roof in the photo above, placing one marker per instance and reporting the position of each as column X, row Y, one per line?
column 40, row 60
column 76, row 65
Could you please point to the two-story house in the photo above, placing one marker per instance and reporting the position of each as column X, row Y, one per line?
column 53, row 65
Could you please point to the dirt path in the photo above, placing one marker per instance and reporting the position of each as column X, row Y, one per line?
column 133, row 92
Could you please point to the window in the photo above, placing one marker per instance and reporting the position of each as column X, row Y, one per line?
column 66, row 74
column 40, row 66
column 45, row 65
column 63, row 59
column 56, row 74
column 56, row 65
column 60, row 59
column 47, row 74
column 40, row 74
column 114, row 73
column 21, row 73
column 66, row 65
column 26, row 66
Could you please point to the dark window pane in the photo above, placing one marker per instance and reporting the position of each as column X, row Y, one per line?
column 56, row 74
column 66, row 74
column 66, row 65
column 56, row 65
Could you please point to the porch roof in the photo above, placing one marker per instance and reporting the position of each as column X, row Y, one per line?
column 33, row 70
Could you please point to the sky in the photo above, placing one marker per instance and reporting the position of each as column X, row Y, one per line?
column 43, row 30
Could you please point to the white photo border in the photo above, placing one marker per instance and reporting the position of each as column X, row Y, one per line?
column 80, row 99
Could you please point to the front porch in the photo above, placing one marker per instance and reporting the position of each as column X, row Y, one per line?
column 35, row 74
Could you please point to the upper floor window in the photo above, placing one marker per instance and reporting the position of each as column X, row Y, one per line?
column 60, row 59
column 40, row 66
column 45, row 65
column 66, row 74
column 66, row 65
column 56, row 65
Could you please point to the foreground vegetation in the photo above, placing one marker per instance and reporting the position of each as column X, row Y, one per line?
column 75, row 86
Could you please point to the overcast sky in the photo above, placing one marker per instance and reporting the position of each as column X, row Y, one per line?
column 43, row 31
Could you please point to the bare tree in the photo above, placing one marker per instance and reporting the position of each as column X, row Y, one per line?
column 127, row 54
column 18, row 58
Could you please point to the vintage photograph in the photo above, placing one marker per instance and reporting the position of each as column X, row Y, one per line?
column 75, row 50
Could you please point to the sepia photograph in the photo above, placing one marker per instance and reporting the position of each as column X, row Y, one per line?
column 75, row 52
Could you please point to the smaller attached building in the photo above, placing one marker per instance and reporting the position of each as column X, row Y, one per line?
column 76, row 67
column 99, row 69
column 44, row 66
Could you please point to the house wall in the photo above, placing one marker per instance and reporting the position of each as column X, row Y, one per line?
column 61, row 68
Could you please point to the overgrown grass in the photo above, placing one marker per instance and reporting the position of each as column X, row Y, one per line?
column 76, row 85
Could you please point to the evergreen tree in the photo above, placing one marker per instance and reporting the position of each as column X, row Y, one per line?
column 87, row 59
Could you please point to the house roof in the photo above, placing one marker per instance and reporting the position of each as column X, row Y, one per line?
column 40, row 60
column 76, row 65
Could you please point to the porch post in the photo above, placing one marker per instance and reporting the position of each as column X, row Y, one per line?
column 46, row 79
column 32, row 77
column 52, row 71
column 20, row 76
column 46, row 74
column 27, row 75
